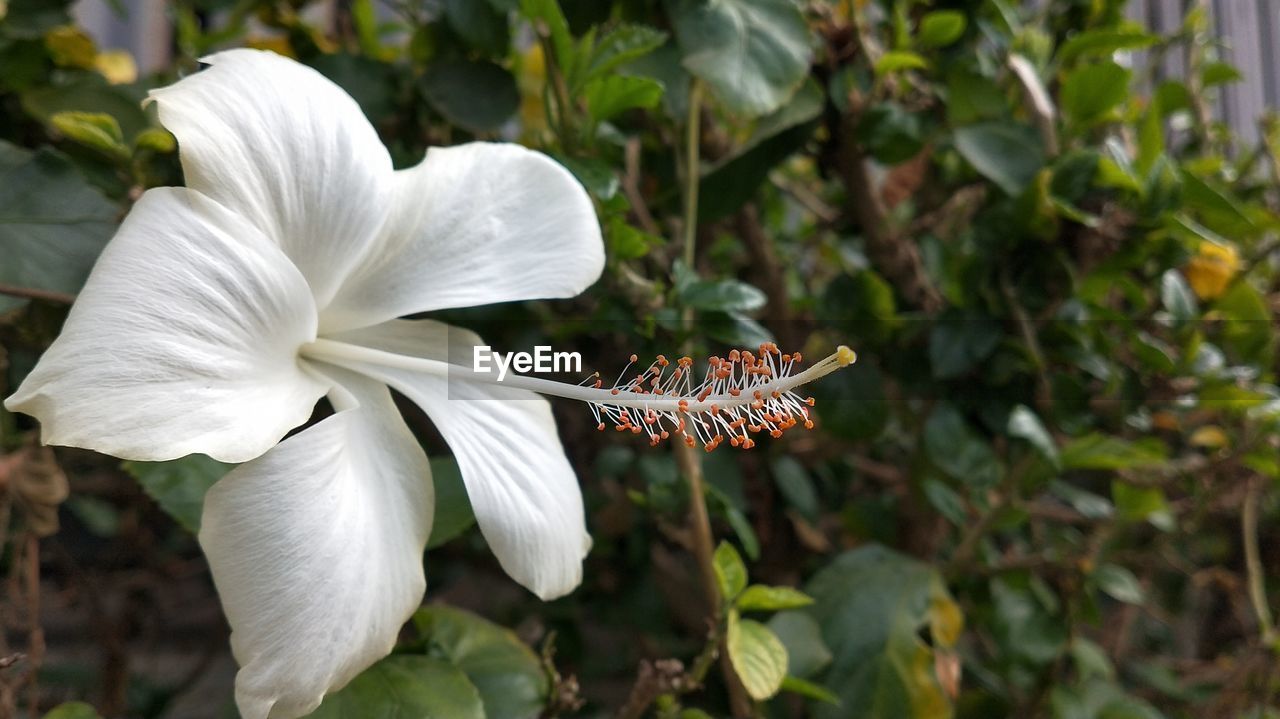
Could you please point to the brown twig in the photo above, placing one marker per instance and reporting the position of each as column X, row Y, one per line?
column 31, row 293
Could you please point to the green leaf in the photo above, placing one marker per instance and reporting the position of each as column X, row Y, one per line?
column 946, row 500
column 731, row 573
column 31, row 19
column 871, row 604
column 1177, row 297
column 621, row 45
column 627, row 242
column 959, row 451
column 761, row 598
column 753, row 54
column 1025, row 424
column 1098, row 451
column 757, row 655
column 405, row 686
column 1091, row 91
column 723, row 295
column 1220, row 73
column 898, row 61
column 598, row 176
column 480, row 24
column 453, row 506
column 1120, row 583
column 179, row 485
column 958, row 342
column 1103, row 43
column 93, row 129
column 156, row 139
column 89, row 93
column 370, row 83
column 548, row 14
column 1009, row 155
column 890, row 133
column 73, row 710
column 476, row 96
column 1247, row 322
column 777, row 136
column 611, row 95
column 53, row 223
column 505, row 671
column 810, row 690
column 796, row 487
column 1142, row 504
column 807, row 651
column 941, row 28
column 854, row 405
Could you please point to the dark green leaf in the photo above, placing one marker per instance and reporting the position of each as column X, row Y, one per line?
column 483, row 26
column 753, row 53
column 89, row 93
column 453, row 506
column 959, row 451
column 476, row 96
column 369, row 82
column 796, row 487
column 853, row 404
column 870, row 604
column 507, row 674
column 723, row 295
column 807, row 653
column 1007, row 154
column 1097, row 451
column 735, row 180
column 958, row 343
column 53, row 223
column 179, row 485
column 404, row 686
column 621, row 45
column 890, row 133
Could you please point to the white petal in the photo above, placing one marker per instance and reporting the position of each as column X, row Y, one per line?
column 524, row 493
column 473, row 225
column 280, row 144
column 316, row 551
column 184, row 340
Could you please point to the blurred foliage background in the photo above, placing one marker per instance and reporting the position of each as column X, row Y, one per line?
column 1048, row 488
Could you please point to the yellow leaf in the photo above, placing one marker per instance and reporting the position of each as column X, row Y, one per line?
column 1209, row 437
column 117, row 66
column 69, row 46
column 531, row 75
column 279, row 45
column 1212, row 269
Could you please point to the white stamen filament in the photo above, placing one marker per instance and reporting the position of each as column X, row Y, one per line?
column 736, row 394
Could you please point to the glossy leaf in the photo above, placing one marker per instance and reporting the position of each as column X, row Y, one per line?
column 753, row 54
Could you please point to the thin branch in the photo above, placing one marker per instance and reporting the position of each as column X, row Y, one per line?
column 31, row 293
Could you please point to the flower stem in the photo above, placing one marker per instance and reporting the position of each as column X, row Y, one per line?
column 687, row 459
column 1253, row 564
